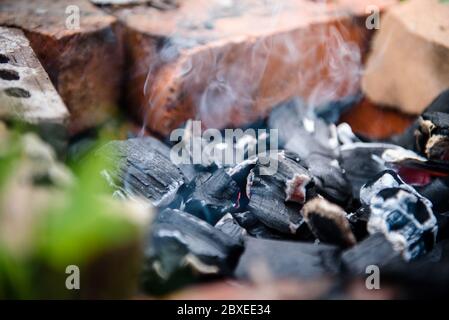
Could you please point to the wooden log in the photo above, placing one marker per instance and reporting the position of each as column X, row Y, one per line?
column 409, row 63
column 26, row 92
column 231, row 62
column 85, row 63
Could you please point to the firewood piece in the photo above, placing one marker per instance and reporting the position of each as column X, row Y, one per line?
column 287, row 260
column 207, row 59
column 408, row 66
column 84, row 64
column 26, row 92
column 142, row 167
column 328, row 222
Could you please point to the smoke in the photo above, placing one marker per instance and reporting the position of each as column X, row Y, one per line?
column 231, row 70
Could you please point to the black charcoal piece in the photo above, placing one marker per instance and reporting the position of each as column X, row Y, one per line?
column 406, row 219
column 359, row 220
column 408, row 139
column 432, row 135
column 276, row 199
column 329, row 178
column 287, row 260
column 142, row 167
column 362, row 162
column 328, row 222
column 183, row 245
column 255, row 228
column 214, row 194
column 375, row 250
column 230, row 226
column 438, row 193
column 384, row 180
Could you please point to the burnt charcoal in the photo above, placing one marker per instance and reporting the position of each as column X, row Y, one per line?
column 329, row 178
column 426, row 277
column 302, row 132
column 255, row 228
column 406, row 219
column 438, row 193
column 443, row 225
column 374, row 250
column 432, row 135
column 346, row 135
column 384, row 180
column 214, row 194
column 408, row 139
column 287, row 260
column 359, row 221
column 362, row 162
column 230, row 226
column 142, row 167
column 183, row 247
column 276, row 199
column 328, row 222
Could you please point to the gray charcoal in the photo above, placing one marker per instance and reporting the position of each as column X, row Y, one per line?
column 142, row 167
column 229, row 225
column 406, row 219
column 329, row 177
column 287, row 260
column 214, row 194
column 276, row 199
column 255, row 228
column 328, row 222
column 182, row 244
column 374, row 250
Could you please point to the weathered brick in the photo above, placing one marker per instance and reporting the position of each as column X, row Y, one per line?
column 85, row 64
column 229, row 65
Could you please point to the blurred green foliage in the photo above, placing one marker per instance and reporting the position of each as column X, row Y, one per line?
column 77, row 225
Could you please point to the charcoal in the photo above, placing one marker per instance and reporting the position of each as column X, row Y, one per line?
column 255, row 228
column 287, row 260
column 276, row 199
column 142, row 167
column 230, row 226
column 443, row 225
column 408, row 139
column 362, row 162
column 214, row 194
column 437, row 192
column 329, row 177
column 302, row 132
column 185, row 246
column 424, row 278
column 359, row 221
column 384, row 180
column 432, row 135
column 328, row 222
column 346, row 135
column 406, row 219
column 374, row 250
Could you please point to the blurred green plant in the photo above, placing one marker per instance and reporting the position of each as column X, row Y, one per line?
column 51, row 217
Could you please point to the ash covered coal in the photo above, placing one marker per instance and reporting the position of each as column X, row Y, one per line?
column 323, row 202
